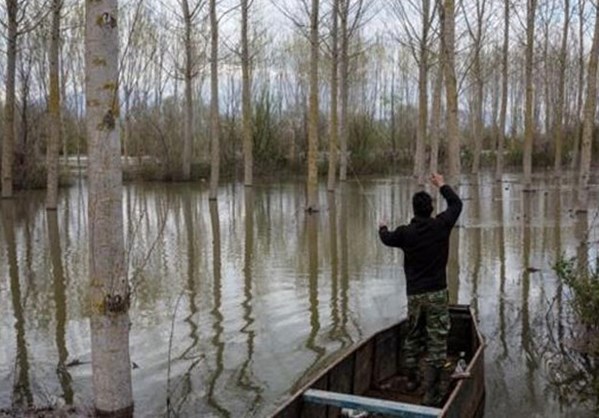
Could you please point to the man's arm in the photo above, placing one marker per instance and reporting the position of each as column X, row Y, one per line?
column 454, row 204
column 391, row 238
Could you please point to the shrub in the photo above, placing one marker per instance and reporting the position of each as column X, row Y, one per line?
column 584, row 283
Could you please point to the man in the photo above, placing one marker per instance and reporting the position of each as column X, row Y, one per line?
column 425, row 243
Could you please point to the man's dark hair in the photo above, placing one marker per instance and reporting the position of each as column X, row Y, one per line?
column 422, row 202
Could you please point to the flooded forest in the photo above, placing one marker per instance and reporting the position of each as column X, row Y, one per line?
column 191, row 192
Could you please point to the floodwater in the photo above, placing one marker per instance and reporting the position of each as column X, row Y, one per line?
column 239, row 301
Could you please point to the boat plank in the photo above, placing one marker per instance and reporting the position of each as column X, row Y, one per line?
column 372, row 405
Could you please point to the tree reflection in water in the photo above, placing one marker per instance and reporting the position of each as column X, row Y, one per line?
column 573, row 366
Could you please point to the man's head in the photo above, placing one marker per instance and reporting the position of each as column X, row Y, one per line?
column 422, row 203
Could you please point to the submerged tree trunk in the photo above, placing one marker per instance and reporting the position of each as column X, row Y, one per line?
column 558, row 130
column 453, row 139
column 436, row 127
column 344, row 88
column 214, row 116
column 528, row 105
column 246, row 103
column 334, row 129
column 109, row 285
column 54, row 110
column 580, row 100
column 8, row 142
column 419, row 160
column 504, row 91
column 590, row 108
column 479, row 86
column 188, row 129
column 312, row 182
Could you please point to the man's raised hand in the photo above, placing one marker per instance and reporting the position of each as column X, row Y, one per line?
column 437, row 180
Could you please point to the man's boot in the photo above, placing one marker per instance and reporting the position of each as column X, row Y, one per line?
column 413, row 380
column 432, row 383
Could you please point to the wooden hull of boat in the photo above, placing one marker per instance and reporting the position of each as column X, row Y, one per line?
column 367, row 369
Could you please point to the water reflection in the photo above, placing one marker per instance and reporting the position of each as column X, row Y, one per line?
column 22, row 396
column 257, row 296
column 499, row 202
column 217, row 342
column 338, row 293
column 246, row 378
column 527, row 338
column 60, row 303
column 311, row 236
column 344, row 261
column 184, row 389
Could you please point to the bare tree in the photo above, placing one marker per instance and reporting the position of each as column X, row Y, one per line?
column 334, row 126
column 590, row 108
column 558, row 125
column 214, row 116
column 448, row 41
column 477, row 33
column 312, row 182
column 418, row 41
column 580, row 94
column 109, row 286
column 531, row 6
column 54, row 110
column 351, row 18
column 436, row 125
column 12, row 9
column 190, row 71
column 246, row 103
column 504, row 90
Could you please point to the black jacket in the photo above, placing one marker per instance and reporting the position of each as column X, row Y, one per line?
column 425, row 243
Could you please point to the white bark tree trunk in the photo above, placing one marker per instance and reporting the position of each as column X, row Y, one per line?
column 246, row 103
column 528, row 105
column 344, row 88
column 590, row 108
column 54, row 110
column 504, row 91
column 214, row 116
column 558, row 130
column 8, row 142
column 334, row 128
column 453, row 138
column 421, row 134
column 188, row 130
column 312, row 181
column 108, row 276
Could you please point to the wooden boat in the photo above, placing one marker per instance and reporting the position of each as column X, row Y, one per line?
column 367, row 380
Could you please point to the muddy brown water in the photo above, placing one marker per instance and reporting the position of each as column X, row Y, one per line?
column 237, row 304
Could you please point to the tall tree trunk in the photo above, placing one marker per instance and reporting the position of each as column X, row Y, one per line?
column 246, row 103
column 188, row 129
column 8, row 142
column 419, row 160
column 60, row 301
column 528, row 105
column 558, row 129
column 436, row 116
column 448, row 39
column 54, row 110
column 479, row 86
column 590, row 108
column 334, row 130
column 580, row 96
column 214, row 116
column 504, row 91
column 344, row 88
column 312, row 183
column 110, row 296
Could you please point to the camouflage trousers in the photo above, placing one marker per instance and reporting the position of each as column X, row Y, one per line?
column 428, row 319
